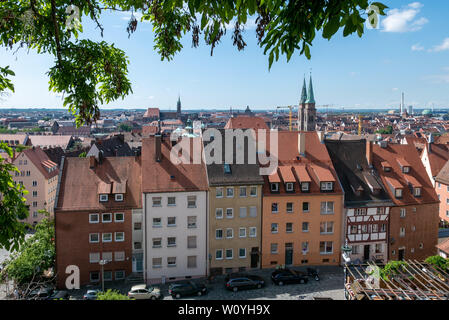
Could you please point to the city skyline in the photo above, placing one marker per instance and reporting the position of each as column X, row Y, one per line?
column 408, row 54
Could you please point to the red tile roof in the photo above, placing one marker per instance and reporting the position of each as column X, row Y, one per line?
column 438, row 156
column 152, row 113
column 42, row 162
column 301, row 173
column 287, row 174
column 444, row 246
column 246, row 122
column 165, row 176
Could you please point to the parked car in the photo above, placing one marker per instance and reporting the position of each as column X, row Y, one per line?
column 236, row 282
column 142, row 291
column 91, row 294
column 59, row 295
column 41, row 293
column 186, row 288
column 286, row 276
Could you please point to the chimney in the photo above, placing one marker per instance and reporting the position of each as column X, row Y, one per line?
column 92, row 162
column 369, row 152
column 320, row 136
column 157, row 147
column 430, row 142
column 302, row 144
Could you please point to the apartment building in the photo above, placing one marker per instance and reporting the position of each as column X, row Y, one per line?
column 39, row 175
column 442, row 190
column 367, row 204
column 235, row 213
column 413, row 232
column 175, row 207
column 95, row 218
column 302, row 205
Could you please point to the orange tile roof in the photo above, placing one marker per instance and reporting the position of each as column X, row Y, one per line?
column 287, row 174
column 246, row 122
column 403, row 162
column 394, row 183
column 274, row 178
column 323, row 174
column 412, row 180
column 302, row 174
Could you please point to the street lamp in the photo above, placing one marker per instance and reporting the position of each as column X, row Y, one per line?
column 102, row 263
column 347, row 258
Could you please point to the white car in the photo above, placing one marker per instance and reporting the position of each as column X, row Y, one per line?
column 143, row 291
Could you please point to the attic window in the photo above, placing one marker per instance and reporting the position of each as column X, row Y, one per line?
column 417, row 192
column 274, row 187
column 405, row 169
column 289, row 186
column 119, row 197
column 398, row 193
column 227, row 168
column 305, row 186
column 103, row 197
column 327, row 186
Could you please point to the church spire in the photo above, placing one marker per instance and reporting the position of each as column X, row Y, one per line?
column 178, row 105
column 310, row 95
column 303, row 93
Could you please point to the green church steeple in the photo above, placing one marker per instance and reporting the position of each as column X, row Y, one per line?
column 310, row 95
column 303, row 93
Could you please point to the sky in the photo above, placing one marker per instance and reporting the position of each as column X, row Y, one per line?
column 408, row 53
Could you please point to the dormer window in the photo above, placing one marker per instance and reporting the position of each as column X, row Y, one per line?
column 103, row 197
column 274, row 187
column 227, row 168
column 417, row 192
column 305, row 186
column 119, row 197
column 398, row 193
column 386, row 166
column 405, row 169
column 289, row 187
column 327, row 186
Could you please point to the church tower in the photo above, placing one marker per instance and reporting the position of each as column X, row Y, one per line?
column 178, row 107
column 310, row 111
column 302, row 105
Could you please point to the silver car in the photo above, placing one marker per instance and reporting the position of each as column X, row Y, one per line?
column 143, row 291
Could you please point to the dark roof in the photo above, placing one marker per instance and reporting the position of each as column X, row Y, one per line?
column 56, row 154
column 351, row 165
column 74, row 131
column 240, row 174
column 112, row 147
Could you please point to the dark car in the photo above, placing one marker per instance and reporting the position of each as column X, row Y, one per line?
column 91, row 294
column 186, row 288
column 59, row 295
column 286, row 276
column 236, row 282
column 41, row 293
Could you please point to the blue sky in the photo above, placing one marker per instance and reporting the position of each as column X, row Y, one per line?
column 408, row 53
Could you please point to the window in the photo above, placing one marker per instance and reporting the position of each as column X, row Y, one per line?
column 326, row 247
column 274, row 207
column 107, row 256
column 398, row 193
column 219, row 213
column 402, row 232
column 305, row 207
column 157, row 201
column 191, row 202
column 119, row 274
column 219, row 193
column 34, row 204
column 94, row 276
column 289, row 227
column 34, row 183
column 274, row 228
column 229, row 213
column 219, row 254
column 274, row 187
column 327, row 186
column 35, row 214
column 171, row 242
column 119, row 217
column 137, row 225
column 94, row 237
column 289, row 186
column 379, row 248
column 383, row 228
column 157, row 262
column 94, row 257
column 403, row 212
column 191, row 222
column 253, row 212
column 242, row 212
column 157, row 242
column 289, row 207
column 107, row 237
column 157, row 222
column 375, row 228
column 137, row 245
column 242, row 253
column 171, row 201
column 355, row 249
column 34, row 193
column 191, row 242
column 171, row 221
column 94, row 218
column 242, row 192
column 191, row 262
column 229, row 233
column 305, row 186
column 218, row 234
column 381, row 210
column 360, row 212
column 417, row 192
column 421, row 245
column 230, row 192
column 119, row 197
column 406, row 169
column 327, row 227
column 274, row 248
column 242, row 233
column 106, row 217
column 253, row 191
column 119, row 236
column 364, row 228
column 119, row 255
column 229, row 253
column 305, row 247
column 103, row 197
column 227, row 168
column 171, row 262
column 305, row 227
column 252, row 232
column 327, row 207
column 354, row 229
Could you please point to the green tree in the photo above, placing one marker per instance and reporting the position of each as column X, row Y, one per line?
column 125, row 127
column 82, row 154
column 439, row 262
column 34, row 256
column 111, row 295
column 91, row 73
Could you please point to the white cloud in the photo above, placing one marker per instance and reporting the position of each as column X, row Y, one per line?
column 404, row 19
column 444, row 46
column 417, row 47
column 440, row 78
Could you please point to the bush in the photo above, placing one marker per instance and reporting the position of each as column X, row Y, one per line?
column 111, row 295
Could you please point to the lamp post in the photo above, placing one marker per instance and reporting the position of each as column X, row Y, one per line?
column 102, row 263
column 347, row 258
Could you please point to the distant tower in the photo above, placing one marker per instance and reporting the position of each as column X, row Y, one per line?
column 178, row 106
column 410, row 110
column 302, row 106
column 310, row 111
